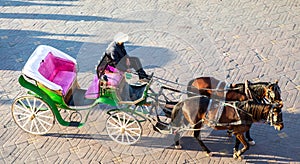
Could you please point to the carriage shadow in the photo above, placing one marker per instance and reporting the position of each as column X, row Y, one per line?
column 78, row 136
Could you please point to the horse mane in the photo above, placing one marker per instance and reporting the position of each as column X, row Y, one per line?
column 258, row 111
column 241, row 86
column 257, row 88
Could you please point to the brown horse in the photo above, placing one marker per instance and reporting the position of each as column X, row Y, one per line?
column 261, row 92
column 236, row 116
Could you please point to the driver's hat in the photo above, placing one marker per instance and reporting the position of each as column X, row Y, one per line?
column 120, row 37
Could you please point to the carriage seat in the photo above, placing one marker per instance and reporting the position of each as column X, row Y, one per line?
column 112, row 78
column 59, row 71
column 131, row 94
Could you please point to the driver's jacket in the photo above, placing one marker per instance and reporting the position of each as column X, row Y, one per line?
column 117, row 54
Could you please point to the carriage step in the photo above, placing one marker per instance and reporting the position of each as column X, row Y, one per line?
column 74, row 123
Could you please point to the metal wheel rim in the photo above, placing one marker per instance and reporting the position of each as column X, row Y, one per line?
column 123, row 128
column 32, row 115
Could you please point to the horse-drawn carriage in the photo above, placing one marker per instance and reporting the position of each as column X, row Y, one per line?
column 51, row 78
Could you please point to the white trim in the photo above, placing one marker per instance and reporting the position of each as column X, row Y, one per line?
column 33, row 63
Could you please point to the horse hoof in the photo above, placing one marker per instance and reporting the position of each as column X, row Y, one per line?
column 229, row 134
column 252, row 143
column 178, row 147
column 209, row 154
column 235, row 156
column 240, row 158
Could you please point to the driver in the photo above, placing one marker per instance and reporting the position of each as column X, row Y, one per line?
column 121, row 60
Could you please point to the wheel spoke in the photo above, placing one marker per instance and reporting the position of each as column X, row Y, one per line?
column 23, row 107
column 41, row 123
column 23, row 114
column 45, row 122
column 23, row 118
column 29, row 104
column 31, row 126
column 32, row 114
column 124, row 119
column 122, row 137
column 36, row 126
column 40, row 114
column 33, row 107
column 133, row 122
column 128, row 140
column 113, row 125
column 134, row 133
column 40, row 106
column 117, row 121
column 127, row 121
column 118, row 136
column 26, row 123
column 134, row 139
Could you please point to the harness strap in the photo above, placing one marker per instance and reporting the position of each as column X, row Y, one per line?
column 221, row 104
column 247, row 90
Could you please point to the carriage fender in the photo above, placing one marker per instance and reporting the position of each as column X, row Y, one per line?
column 45, row 97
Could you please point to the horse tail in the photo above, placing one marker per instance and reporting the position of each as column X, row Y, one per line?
column 176, row 112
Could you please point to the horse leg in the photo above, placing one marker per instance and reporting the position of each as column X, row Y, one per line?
column 250, row 140
column 176, row 139
column 229, row 133
column 241, row 138
column 236, row 145
column 198, row 138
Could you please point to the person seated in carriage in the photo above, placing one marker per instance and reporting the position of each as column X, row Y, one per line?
column 119, row 58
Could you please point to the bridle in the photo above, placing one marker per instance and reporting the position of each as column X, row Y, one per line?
column 271, row 94
column 273, row 118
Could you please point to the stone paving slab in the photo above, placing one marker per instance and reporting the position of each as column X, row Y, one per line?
column 179, row 40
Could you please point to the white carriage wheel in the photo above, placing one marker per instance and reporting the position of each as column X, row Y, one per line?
column 123, row 128
column 32, row 115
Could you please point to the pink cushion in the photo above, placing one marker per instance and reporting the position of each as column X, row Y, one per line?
column 93, row 90
column 58, row 70
column 47, row 66
column 64, row 79
column 113, row 78
column 111, row 69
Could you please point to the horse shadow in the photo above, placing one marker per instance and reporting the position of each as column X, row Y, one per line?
column 222, row 145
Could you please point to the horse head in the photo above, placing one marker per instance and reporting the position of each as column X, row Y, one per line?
column 275, row 116
column 273, row 93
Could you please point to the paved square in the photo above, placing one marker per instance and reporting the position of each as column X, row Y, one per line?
column 179, row 40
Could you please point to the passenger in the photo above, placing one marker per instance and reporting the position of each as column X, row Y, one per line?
column 121, row 60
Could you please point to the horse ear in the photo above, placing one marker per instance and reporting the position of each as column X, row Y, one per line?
column 280, row 104
column 233, row 85
column 276, row 81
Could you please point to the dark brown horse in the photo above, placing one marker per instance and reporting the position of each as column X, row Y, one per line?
column 261, row 92
column 236, row 116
